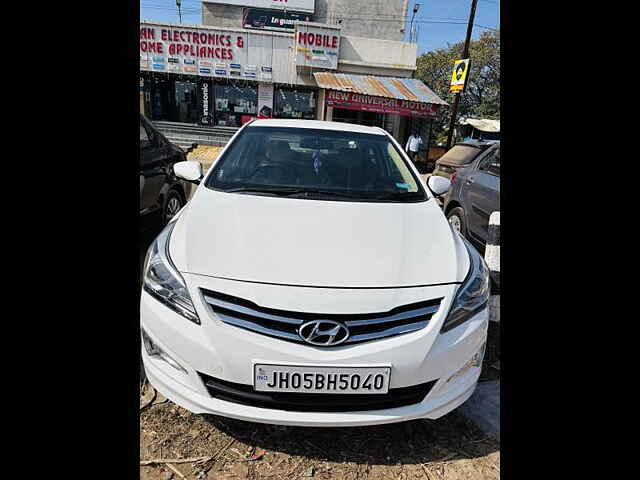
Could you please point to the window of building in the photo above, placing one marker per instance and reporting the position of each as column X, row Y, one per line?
column 234, row 104
column 297, row 103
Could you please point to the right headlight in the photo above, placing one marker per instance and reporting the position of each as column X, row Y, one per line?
column 162, row 279
column 473, row 294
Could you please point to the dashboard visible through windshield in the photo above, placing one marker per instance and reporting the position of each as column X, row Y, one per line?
column 316, row 164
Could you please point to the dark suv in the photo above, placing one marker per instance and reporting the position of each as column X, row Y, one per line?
column 474, row 195
column 162, row 195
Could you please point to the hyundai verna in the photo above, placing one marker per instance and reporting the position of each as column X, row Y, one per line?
column 313, row 280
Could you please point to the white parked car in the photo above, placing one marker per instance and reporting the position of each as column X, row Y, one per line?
column 313, row 280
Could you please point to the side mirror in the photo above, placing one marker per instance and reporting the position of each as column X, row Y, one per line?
column 438, row 185
column 190, row 171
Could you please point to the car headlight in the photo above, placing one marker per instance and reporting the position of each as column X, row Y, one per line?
column 162, row 280
column 473, row 294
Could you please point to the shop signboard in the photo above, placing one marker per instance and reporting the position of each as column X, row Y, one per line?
column 295, row 5
column 317, row 45
column 280, row 21
column 266, row 73
column 215, row 52
column 265, row 100
column 368, row 103
column 191, row 44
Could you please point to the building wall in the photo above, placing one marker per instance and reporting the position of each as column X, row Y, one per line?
column 221, row 15
column 384, row 57
column 381, row 19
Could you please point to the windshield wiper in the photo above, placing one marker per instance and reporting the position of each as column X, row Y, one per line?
column 275, row 191
column 286, row 192
column 401, row 196
column 319, row 191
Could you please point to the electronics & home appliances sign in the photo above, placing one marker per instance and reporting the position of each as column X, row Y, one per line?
column 191, row 43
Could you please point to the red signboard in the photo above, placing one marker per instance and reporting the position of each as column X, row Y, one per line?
column 368, row 103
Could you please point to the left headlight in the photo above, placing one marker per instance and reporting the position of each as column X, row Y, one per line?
column 473, row 294
column 163, row 281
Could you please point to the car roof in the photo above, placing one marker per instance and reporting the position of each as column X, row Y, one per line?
column 317, row 124
column 482, row 144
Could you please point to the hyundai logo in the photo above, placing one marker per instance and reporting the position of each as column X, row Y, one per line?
column 325, row 333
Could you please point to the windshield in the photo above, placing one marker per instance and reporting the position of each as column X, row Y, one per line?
column 315, row 163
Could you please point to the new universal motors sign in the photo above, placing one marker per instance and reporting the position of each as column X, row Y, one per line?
column 317, row 45
column 294, row 5
column 368, row 103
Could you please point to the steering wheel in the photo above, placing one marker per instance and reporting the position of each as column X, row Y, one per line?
column 269, row 171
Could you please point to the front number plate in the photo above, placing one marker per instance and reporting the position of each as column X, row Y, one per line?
column 286, row 378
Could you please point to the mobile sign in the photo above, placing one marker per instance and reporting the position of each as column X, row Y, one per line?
column 459, row 75
column 317, row 45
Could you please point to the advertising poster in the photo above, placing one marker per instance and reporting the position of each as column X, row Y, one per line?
column 459, row 75
column 205, row 88
column 265, row 100
column 295, row 5
column 279, row 21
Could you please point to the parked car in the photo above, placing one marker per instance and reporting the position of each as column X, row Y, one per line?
column 313, row 280
column 162, row 194
column 460, row 156
column 474, row 195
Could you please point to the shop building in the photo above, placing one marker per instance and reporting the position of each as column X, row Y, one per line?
column 390, row 15
column 223, row 76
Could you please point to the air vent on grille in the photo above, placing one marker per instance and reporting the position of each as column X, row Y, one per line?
column 315, row 402
column 284, row 324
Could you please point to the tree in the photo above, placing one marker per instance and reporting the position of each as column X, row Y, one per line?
column 481, row 97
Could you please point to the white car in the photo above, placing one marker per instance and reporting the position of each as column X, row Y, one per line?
column 313, row 280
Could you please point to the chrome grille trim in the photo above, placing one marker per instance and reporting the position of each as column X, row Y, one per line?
column 394, row 318
column 216, row 302
column 412, row 327
column 284, row 325
column 257, row 328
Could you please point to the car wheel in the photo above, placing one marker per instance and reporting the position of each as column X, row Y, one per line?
column 456, row 220
column 172, row 205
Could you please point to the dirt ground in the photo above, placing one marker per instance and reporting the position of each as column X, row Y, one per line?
column 451, row 447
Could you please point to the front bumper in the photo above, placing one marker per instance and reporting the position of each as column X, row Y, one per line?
column 228, row 353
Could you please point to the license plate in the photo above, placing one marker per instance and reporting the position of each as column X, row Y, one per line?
column 309, row 379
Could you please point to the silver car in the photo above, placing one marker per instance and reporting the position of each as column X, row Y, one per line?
column 474, row 195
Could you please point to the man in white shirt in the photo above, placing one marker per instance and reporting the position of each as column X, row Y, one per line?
column 413, row 146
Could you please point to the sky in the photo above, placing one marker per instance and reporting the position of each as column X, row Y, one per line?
column 432, row 33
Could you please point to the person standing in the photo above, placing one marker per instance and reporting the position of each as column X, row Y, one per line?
column 413, row 146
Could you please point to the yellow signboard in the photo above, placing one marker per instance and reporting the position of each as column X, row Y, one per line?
column 459, row 75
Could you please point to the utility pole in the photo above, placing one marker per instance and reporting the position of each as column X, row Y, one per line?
column 179, row 4
column 416, row 7
column 465, row 54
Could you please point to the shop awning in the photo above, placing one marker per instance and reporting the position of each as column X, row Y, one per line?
column 482, row 124
column 408, row 89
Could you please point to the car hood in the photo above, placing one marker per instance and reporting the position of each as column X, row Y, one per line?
column 316, row 243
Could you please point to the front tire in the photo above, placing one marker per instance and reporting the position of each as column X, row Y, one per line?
column 457, row 220
column 172, row 205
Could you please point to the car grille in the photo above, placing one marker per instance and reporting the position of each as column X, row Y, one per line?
column 284, row 324
column 316, row 402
